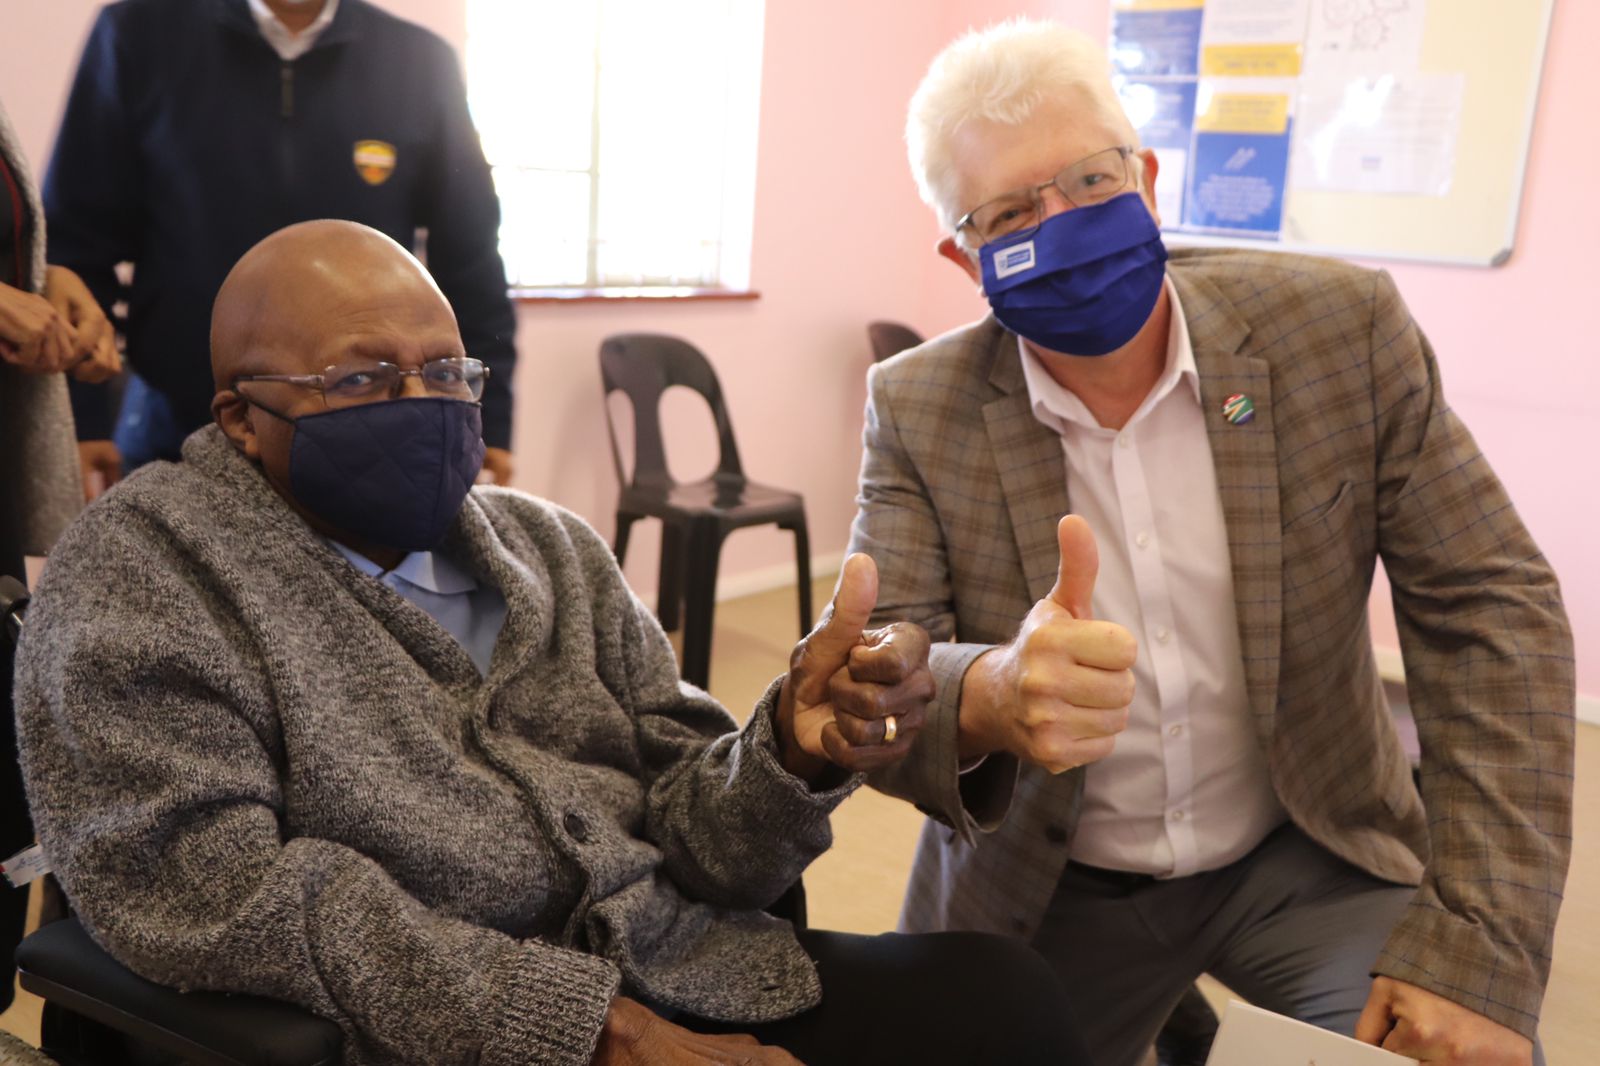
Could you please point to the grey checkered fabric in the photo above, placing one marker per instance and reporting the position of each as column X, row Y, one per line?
column 1353, row 455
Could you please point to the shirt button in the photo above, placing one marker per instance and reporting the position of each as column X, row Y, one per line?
column 1142, row 540
column 1055, row 834
column 1163, row 635
column 1124, row 440
column 575, row 827
column 1175, row 731
column 1177, row 816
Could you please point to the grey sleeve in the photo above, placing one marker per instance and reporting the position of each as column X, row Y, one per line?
column 897, row 524
column 734, row 827
column 150, row 757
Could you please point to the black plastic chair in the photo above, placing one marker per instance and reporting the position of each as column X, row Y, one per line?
column 99, row 1013
column 698, row 515
column 890, row 338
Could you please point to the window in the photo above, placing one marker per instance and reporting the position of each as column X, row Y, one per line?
column 622, row 134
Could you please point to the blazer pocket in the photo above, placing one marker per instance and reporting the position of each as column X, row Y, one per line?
column 1330, row 514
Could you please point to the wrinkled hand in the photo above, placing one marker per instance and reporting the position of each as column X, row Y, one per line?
column 34, row 335
column 1412, row 1021
column 95, row 357
column 845, row 682
column 634, row 1035
column 1058, row 694
column 496, row 467
column 101, row 466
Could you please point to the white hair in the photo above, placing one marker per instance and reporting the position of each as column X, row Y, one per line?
column 1001, row 74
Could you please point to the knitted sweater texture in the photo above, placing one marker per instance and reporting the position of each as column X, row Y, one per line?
column 259, row 770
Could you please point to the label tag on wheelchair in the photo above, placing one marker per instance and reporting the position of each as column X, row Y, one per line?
column 25, row 867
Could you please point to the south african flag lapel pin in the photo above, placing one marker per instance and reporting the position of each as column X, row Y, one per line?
column 1239, row 409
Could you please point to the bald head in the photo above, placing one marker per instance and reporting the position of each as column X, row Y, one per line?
column 292, row 301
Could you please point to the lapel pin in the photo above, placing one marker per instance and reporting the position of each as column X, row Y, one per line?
column 1239, row 409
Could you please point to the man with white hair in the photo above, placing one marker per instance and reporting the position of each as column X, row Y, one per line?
column 1210, row 780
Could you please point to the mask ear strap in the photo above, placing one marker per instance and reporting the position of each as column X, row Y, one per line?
column 275, row 414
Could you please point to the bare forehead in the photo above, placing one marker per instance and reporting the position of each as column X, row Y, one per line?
column 306, row 315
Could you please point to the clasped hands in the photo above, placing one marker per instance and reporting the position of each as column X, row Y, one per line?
column 61, row 330
column 854, row 700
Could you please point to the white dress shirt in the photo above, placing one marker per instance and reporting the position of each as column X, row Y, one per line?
column 1186, row 788
column 291, row 46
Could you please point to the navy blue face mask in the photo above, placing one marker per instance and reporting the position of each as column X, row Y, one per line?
column 1084, row 282
column 394, row 472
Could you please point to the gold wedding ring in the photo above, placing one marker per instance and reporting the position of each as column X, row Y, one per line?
column 890, row 728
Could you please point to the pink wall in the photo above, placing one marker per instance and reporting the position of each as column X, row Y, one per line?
column 840, row 238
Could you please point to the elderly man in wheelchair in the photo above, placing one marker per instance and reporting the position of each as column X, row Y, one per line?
column 309, row 716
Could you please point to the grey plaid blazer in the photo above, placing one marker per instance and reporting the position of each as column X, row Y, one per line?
column 1353, row 455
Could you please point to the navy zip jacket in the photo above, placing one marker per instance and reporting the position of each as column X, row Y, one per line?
column 187, row 139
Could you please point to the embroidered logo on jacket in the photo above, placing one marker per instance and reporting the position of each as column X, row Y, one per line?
column 374, row 161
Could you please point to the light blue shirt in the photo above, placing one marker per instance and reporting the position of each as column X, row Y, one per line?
column 468, row 611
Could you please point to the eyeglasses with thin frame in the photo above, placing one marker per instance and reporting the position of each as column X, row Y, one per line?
column 1089, row 181
column 455, row 377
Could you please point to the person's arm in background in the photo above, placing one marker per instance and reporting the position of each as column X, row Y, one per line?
column 96, row 359
column 1490, row 672
column 462, row 216
column 92, row 196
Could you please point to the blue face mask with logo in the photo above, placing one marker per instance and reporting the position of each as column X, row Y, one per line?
column 1084, row 282
column 394, row 472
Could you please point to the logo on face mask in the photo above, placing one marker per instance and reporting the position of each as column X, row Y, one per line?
column 1009, row 261
column 374, row 161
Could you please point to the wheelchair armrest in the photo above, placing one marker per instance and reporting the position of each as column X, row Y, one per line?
column 62, row 965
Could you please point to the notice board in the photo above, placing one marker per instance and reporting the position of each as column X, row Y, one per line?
column 1390, row 129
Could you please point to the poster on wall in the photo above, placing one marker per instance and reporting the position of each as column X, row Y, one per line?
column 1162, row 112
column 1387, row 135
column 1156, row 38
column 1245, row 101
column 1253, row 38
column 1241, row 156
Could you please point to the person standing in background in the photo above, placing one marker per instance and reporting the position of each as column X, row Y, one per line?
column 195, row 128
column 48, row 324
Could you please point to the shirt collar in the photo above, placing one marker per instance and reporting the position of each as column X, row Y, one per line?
column 429, row 571
column 1053, row 404
column 291, row 46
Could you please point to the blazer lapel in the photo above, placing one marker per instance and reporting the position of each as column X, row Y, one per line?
column 1246, row 460
column 1033, row 473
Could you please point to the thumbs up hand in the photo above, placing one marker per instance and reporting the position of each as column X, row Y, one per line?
column 1057, row 695
column 854, row 698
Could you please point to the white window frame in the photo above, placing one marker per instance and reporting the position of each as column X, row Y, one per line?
column 735, row 172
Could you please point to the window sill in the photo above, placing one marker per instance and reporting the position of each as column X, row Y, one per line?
column 609, row 294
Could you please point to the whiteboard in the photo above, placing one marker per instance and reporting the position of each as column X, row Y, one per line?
column 1492, row 50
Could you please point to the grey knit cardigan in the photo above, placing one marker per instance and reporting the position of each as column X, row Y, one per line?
column 39, row 479
column 257, row 769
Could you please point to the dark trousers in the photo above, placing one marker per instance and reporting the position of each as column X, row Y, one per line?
column 933, row 999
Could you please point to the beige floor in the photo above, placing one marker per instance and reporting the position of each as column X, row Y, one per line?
column 856, row 886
